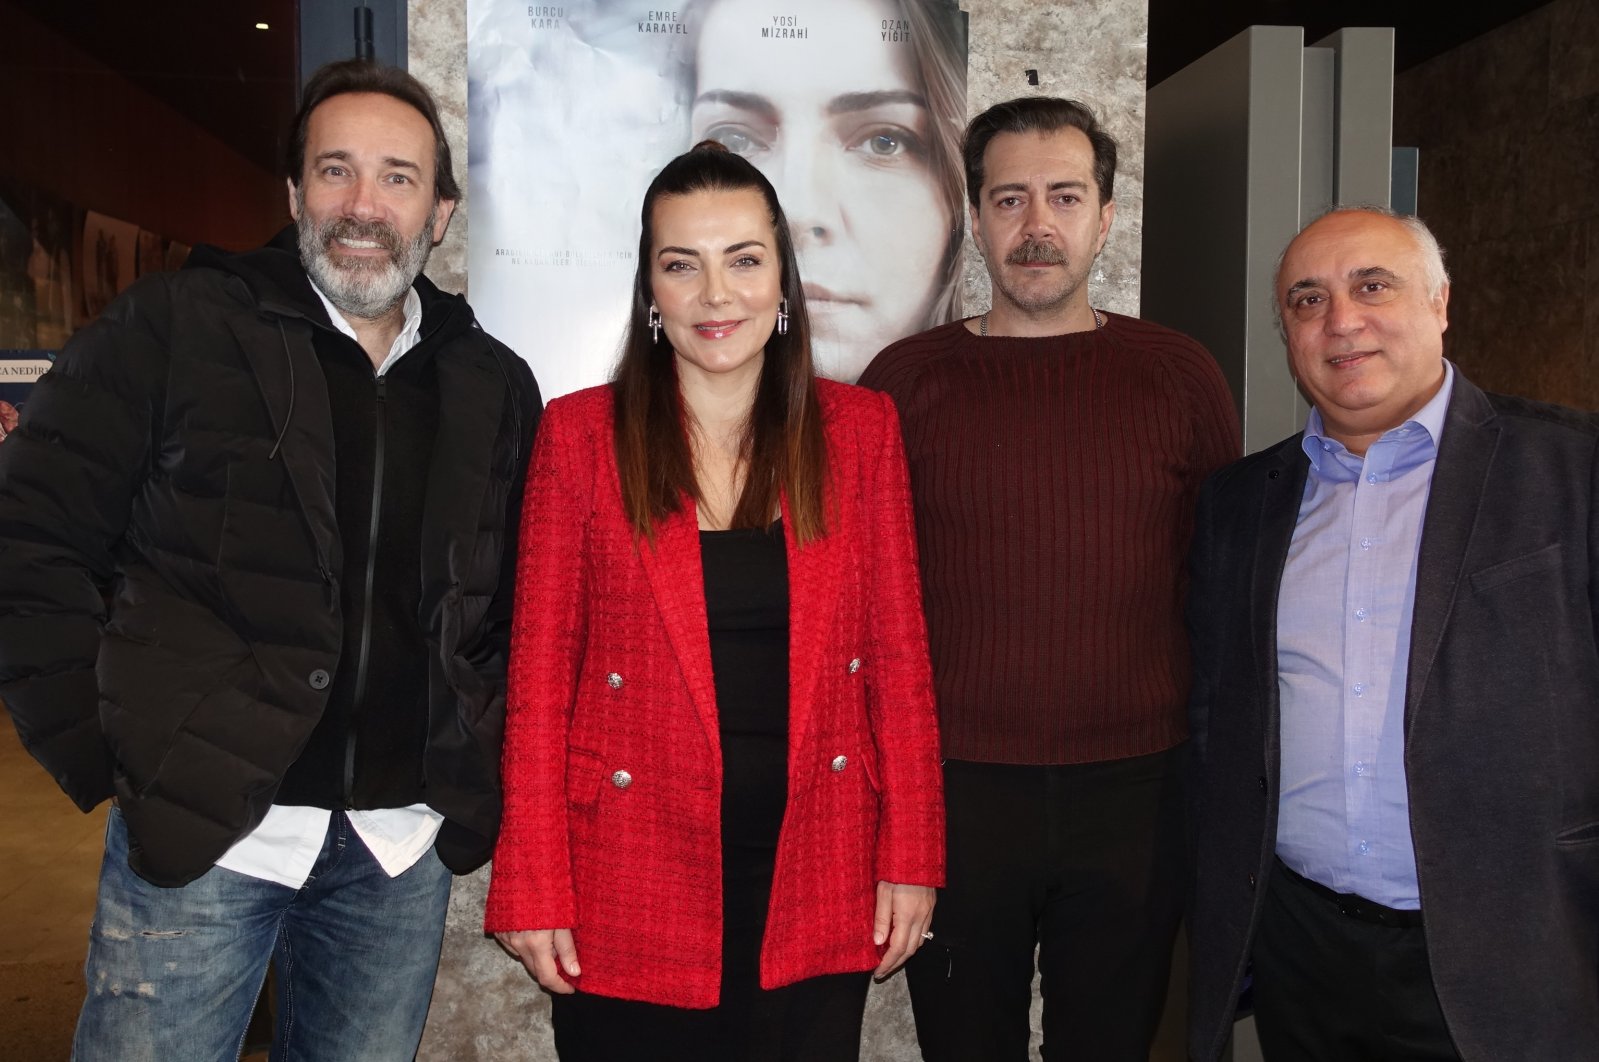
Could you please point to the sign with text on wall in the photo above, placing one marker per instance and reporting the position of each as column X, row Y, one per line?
column 19, row 371
column 853, row 109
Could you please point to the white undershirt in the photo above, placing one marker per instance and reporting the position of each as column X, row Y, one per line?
column 285, row 846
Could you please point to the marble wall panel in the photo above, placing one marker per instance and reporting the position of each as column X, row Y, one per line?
column 436, row 33
column 484, row 1007
column 1508, row 127
column 1090, row 51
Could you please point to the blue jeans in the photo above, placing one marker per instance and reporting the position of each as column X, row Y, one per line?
column 173, row 974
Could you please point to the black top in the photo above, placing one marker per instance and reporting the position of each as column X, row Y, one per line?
column 746, row 610
column 367, row 749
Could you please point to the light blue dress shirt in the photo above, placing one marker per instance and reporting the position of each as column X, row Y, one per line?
column 1344, row 615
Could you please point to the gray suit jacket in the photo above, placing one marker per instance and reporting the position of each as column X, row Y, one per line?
column 1501, row 726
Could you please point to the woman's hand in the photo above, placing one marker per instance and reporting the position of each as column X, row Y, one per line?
column 539, row 950
column 903, row 914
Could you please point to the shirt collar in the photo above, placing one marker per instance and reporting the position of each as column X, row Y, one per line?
column 1430, row 418
column 409, row 334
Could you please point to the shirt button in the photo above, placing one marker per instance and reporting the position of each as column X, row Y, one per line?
column 1360, row 614
column 1365, row 848
column 1326, row 447
column 854, row 665
column 621, row 779
column 1359, row 689
column 614, row 681
column 1365, row 543
column 1360, row 767
column 1371, row 478
column 318, row 679
column 839, row 763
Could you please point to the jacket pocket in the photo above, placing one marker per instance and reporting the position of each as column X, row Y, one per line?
column 834, row 764
column 873, row 777
column 584, row 773
column 1546, row 559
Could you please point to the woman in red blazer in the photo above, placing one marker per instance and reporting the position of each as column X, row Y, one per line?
column 722, row 791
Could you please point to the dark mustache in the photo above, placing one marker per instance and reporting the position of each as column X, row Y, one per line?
column 1035, row 252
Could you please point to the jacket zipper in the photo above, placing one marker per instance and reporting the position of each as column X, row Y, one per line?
column 358, row 699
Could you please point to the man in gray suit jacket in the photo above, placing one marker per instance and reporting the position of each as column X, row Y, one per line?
column 1396, row 698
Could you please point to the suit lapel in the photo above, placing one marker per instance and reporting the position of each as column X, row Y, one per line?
column 1458, row 479
column 814, row 574
column 677, row 581
column 1279, row 514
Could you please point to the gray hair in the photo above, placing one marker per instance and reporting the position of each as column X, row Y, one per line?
column 1432, row 253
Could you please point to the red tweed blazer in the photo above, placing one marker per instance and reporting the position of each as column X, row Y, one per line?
column 612, row 765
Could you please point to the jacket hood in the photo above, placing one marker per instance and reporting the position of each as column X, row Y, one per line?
column 279, row 283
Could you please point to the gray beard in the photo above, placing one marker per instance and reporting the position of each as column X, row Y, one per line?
column 368, row 288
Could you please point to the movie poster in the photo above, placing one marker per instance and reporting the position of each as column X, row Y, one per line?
column 110, row 259
column 39, row 307
column 19, row 371
column 853, row 109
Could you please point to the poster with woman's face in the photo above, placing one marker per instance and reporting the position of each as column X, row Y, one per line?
column 853, row 109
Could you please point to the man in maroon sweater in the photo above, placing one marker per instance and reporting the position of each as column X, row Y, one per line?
column 1056, row 451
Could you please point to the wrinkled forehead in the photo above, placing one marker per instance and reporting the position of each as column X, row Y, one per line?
column 370, row 124
column 1344, row 245
column 1061, row 156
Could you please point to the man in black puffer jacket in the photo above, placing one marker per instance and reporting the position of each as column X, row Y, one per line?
column 256, row 531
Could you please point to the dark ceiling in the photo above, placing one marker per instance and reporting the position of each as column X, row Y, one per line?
column 205, row 58
column 1181, row 31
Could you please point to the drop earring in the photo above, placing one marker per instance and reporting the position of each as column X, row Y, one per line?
column 655, row 323
column 782, row 318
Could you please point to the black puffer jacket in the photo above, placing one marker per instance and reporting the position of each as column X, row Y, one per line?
column 170, row 559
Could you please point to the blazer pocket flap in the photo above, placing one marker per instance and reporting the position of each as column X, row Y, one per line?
column 834, row 765
column 585, row 772
column 1546, row 559
column 1579, row 835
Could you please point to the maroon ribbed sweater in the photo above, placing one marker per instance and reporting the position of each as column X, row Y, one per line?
column 1054, row 481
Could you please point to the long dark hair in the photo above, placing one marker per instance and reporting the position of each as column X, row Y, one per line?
column 783, row 450
column 938, row 48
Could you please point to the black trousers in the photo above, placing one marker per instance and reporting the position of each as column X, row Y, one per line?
column 1331, row 988
column 1083, row 862
column 815, row 1020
